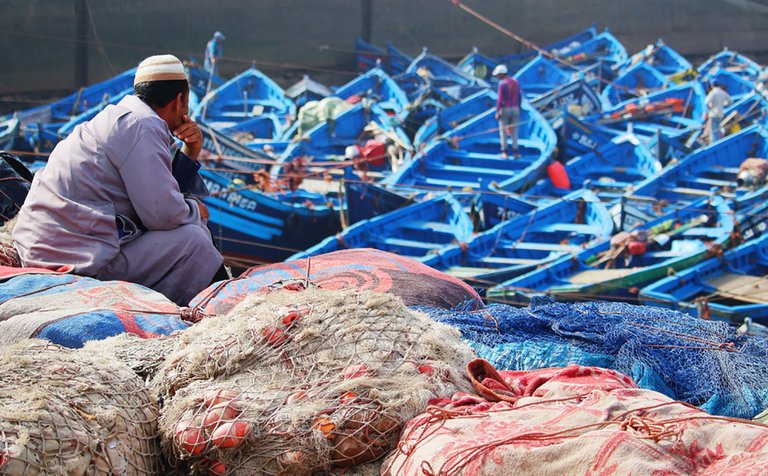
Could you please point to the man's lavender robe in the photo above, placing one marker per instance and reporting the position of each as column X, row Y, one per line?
column 119, row 163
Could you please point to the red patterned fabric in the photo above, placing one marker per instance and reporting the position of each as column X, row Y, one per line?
column 361, row 269
column 573, row 420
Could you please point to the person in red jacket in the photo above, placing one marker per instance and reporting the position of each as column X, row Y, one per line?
column 508, row 109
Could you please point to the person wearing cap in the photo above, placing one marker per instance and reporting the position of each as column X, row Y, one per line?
column 717, row 100
column 213, row 50
column 507, row 108
column 112, row 203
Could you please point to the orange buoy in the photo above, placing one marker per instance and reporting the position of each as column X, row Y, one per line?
column 558, row 175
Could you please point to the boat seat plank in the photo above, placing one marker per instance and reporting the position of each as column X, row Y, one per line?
column 593, row 276
column 429, row 225
column 391, row 241
column 478, row 171
column 581, row 228
column 709, row 182
column 663, row 254
column 752, row 289
column 451, row 184
column 531, row 246
column 508, row 261
column 707, row 232
column 466, row 271
column 692, row 191
column 609, row 184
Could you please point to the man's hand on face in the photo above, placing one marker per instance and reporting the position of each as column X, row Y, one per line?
column 189, row 133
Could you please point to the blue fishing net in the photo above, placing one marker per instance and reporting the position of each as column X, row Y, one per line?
column 705, row 363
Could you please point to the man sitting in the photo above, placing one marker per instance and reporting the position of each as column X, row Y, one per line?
column 108, row 205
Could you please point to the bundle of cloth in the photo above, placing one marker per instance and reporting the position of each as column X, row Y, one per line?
column 362, row 269
column 572, row 420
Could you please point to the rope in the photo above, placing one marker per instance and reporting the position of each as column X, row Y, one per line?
column 520, row 39
column 99, row 44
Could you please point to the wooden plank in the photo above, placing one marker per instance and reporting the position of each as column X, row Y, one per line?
column 751, row 289
column 593, row 276
column 533, row 246
column 463, row 272
column 508, row 261
column 581, row 228
column 409, row 243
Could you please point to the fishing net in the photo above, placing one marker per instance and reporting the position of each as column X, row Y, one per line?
column 8, row 254
column 67, row 412
column 143, row 356
column 704, row 363
column 300, row 382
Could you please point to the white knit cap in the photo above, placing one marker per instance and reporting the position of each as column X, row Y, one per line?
column 159, row 68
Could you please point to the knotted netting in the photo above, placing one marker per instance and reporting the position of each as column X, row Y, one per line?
column 143, row 356
column 704, row 363
column 69, row 412
column 305, row 381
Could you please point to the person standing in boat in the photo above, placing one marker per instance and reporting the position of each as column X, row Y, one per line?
column 717, row 100
column 112, row 203
column 508, row 109
column 213, row 50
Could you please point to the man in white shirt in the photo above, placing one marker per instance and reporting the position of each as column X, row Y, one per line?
column 717, row 100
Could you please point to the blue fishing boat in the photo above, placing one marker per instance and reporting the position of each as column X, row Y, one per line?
column 730, row 287
column 576, row 98
column 600, row 54
column 675, row 111
column 518, row 245
column 415, row 230
column 39, row 125
column 453, row 116
column 9, row 131
column 618, row 268
column 367, row 55
column 670, row 150
column 445, row 76
column 365, row 199
column 201, row 81
column 426, row 100
column 540, row 76
column 227, row 157
column 469, row 155
column 578, row 137
column 707, row 170
column 610, row 170
column 396, row 62
column 560, row 47
column 733, row 62
column 636, row 81
column 306, row 90
column 661, row 57
column 501, row 206
column 252, row 227
column 750, row 109
column 377, row 87
column 478, row 65
column 242, row 100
